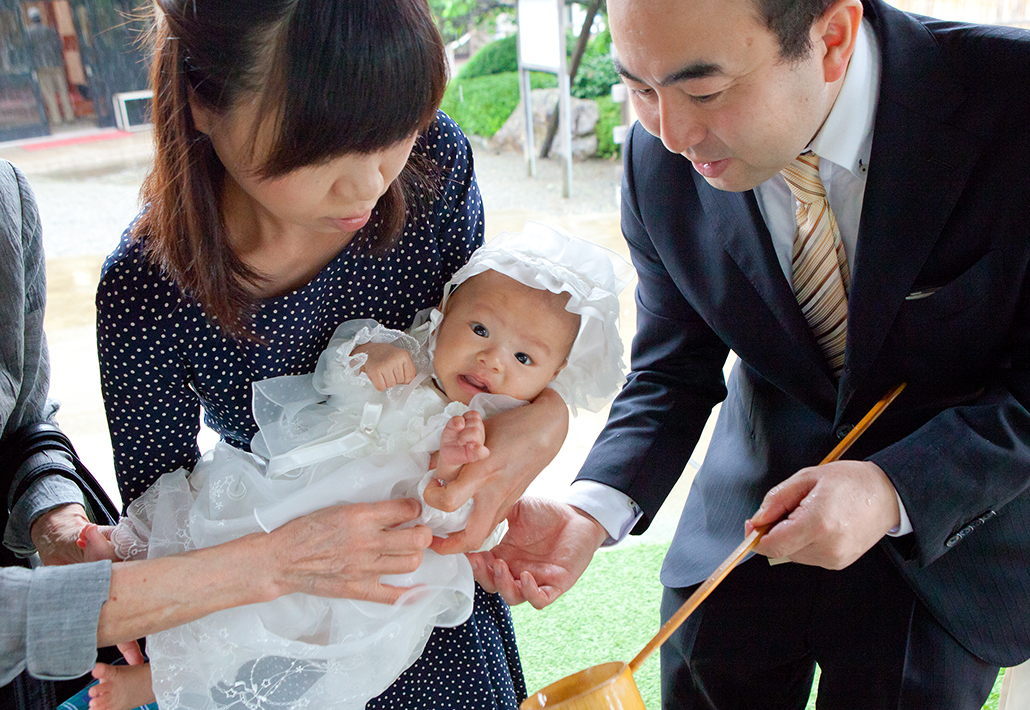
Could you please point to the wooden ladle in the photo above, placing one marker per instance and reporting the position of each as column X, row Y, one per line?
column 610, row 686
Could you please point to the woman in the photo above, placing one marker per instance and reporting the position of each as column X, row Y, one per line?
column 303, row 177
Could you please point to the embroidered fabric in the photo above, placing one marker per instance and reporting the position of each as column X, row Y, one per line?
column 324, row 439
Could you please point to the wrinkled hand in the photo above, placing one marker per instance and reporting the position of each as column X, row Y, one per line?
column 837, row 512
column 546, row 549
column 522, row 442
column 95, row 543
column 56, row 532
column 343, row 550
column 387, row 365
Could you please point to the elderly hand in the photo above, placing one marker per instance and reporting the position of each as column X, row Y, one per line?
column 835, row 513
column 522, row 442
column 343, row 550
column 544, row 553
column 56, row 532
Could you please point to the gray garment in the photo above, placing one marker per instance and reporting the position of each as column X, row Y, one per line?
column 49, row 619
column 24, row 361
column 45, row 46
column 49, row 624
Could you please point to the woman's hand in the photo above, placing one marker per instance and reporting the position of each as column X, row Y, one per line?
column 55, row 534
column 340, row 551
column 343, row 550
column 522, row 442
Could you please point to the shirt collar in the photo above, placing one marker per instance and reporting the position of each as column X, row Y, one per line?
column 846, row 137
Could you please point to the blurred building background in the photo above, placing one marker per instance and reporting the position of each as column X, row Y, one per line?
column 101, row 57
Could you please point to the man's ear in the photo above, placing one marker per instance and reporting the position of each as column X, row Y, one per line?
column 835, row 33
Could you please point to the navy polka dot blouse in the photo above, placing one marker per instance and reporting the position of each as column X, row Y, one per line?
column 162, row 362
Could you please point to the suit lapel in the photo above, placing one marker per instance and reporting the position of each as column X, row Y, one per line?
column 736, row 218
column 917, row 170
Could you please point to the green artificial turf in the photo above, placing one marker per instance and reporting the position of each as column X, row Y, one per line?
column 611, row 613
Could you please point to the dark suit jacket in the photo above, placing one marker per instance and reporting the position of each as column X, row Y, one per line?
column 946, row 211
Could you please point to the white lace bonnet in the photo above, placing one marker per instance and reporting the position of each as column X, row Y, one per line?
column 547, row 258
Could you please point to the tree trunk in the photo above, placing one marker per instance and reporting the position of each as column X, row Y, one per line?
column 577, row 55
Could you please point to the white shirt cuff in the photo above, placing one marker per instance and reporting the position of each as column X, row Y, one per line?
column 906, row 525
column 613, row 509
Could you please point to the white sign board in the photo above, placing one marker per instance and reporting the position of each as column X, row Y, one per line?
column 540, row 35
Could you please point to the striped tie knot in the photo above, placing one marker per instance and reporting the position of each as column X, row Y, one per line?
column 802, row 176
column 820, row 274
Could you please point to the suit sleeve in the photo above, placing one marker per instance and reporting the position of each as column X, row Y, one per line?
column 968, row 463
column 675, row 378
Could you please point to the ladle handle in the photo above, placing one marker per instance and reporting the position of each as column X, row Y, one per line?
column 702, row 592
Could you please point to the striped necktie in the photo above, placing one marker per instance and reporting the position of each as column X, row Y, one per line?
column 820, row 265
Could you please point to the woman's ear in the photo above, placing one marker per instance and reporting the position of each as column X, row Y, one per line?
column 203, row 118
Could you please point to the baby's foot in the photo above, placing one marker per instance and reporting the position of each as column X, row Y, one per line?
column 121, row 687
column 96, row 545
column 462, row 441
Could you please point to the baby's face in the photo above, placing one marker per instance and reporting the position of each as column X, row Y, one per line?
column 502, row 337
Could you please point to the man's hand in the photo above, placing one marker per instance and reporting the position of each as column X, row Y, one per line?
column 343, row 550
column 387, row 365
column 837, row 512
column 522, row 442
column 56, row 532
column 546, row 549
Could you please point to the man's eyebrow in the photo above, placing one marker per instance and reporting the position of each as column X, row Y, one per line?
column 693, row 71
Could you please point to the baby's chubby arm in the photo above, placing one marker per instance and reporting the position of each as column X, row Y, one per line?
column 387, row 365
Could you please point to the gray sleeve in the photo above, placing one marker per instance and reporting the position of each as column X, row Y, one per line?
column 41, row 496
column 50, row 618
column 24, row 363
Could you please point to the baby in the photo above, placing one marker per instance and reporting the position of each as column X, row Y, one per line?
column 385, row 414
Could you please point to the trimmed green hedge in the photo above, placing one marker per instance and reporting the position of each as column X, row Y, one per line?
column 481, row 105
column 497, row 57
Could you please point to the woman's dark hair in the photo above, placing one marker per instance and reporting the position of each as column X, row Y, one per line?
column 332, row 76
column 790, row 21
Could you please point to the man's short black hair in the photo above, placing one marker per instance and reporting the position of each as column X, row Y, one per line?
column 790, row 21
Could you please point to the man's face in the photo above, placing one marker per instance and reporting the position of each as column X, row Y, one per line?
column 706, row 77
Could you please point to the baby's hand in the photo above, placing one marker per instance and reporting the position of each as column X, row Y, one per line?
column 461, row 443
column 387, row 365
column 95, row 542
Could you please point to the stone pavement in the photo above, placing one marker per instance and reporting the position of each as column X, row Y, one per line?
column 87, row 186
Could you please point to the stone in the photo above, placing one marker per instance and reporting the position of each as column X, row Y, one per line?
column 585, row 115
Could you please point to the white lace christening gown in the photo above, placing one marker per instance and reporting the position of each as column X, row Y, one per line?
column 324, row 439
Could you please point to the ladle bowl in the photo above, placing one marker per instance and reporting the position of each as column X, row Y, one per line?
column 608, row 686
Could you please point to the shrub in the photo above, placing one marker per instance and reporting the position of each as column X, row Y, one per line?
column 595, row 76
column 611, row 116
column 481, row 105
column 495, row 58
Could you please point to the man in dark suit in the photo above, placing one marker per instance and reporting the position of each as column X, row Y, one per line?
column 910, row 560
